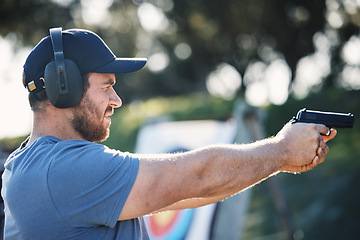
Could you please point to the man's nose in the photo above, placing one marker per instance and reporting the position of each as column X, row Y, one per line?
column 115, row 100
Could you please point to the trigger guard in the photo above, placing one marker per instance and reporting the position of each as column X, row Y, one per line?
column 327, row 134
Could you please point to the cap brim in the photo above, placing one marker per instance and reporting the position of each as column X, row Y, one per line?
column 122, row 65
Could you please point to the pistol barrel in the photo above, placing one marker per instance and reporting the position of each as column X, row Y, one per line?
column 329, row 119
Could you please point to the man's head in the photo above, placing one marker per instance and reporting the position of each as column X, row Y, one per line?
column 63, row 49
column 91, row 118
column 92, row 67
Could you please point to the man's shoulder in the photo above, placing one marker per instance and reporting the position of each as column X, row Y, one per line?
column 87, row 157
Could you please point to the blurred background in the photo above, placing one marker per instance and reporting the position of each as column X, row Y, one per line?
column 203, row 56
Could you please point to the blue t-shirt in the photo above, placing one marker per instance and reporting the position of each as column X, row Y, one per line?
column 71, row 189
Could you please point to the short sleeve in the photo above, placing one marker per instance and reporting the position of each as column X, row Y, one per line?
column 90, row 183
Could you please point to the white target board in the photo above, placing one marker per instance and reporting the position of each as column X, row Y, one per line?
column 167, row 137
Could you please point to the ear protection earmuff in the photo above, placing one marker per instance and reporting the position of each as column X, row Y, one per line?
column 63, row 82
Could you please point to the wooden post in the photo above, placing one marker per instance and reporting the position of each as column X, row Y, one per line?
column 230, row 214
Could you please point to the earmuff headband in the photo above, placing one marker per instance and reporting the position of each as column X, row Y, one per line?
column 56, row 40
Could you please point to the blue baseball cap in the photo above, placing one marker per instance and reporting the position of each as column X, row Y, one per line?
column 86, row 49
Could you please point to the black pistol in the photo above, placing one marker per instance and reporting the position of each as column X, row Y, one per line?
column 329, row 119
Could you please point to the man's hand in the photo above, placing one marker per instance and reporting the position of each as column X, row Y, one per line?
column 304, row 146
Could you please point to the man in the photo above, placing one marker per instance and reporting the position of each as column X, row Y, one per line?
column 59, row 184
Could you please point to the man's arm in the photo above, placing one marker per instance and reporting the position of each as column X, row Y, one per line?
column 210, row 174
column 199, row 202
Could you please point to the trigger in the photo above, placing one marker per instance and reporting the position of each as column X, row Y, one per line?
column 327, row 134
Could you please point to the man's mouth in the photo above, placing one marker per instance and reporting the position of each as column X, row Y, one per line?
column 109, row 112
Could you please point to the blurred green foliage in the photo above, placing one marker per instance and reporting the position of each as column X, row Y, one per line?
column 323, row 202
column 10, row 144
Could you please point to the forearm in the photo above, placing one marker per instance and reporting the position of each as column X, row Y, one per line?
column 233, row 173
column 296, row 148
column 227, row 170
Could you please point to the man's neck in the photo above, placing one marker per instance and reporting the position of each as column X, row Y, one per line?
column 53, row 122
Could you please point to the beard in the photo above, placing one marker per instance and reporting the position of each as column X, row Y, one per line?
column 88, row 121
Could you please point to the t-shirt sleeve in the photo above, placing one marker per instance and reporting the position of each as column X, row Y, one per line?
column 90, row 183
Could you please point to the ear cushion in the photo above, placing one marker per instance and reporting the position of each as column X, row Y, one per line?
column 74, row 81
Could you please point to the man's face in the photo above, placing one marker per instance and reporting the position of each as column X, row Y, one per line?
column 91, row 117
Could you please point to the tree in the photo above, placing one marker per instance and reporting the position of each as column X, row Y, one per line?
column 187, row 40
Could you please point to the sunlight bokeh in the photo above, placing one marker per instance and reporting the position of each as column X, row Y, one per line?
column 152, row 18
column 95, row 12
column 16, row 119
column 267, row 84
column 183, row 51
column 158, row 62
column 312, row 69
column 224, row 81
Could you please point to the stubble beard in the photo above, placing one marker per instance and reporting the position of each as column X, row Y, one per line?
column 89, row 122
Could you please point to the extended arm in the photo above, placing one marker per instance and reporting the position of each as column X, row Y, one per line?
column 211, row 174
